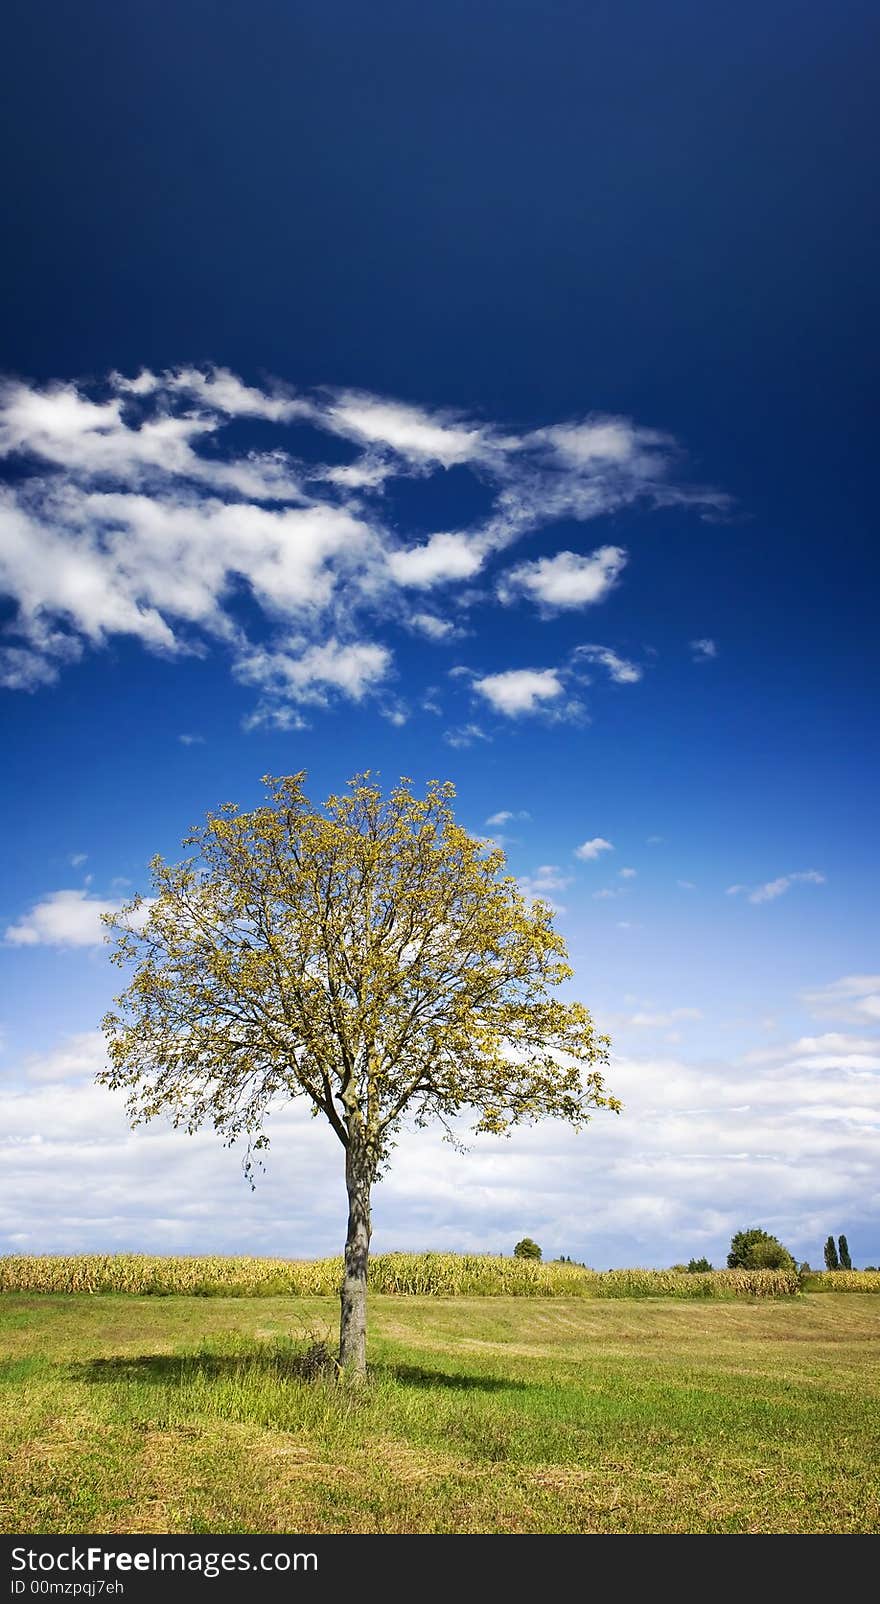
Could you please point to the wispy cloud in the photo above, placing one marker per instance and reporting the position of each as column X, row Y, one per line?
column 464, row 735
column 703, row 651
column 544, row 883
column 619, row 670
column 507, row 817
column 191, row 740
column 771, row 889
column 854, row 998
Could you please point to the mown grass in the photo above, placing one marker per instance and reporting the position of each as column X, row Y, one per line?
column 126, row 1413
column 443, row 1275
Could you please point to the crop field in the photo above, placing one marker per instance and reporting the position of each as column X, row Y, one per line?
column 134, row 1413
column 442, row 1275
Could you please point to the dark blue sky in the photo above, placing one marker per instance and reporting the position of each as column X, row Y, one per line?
column 529, row 213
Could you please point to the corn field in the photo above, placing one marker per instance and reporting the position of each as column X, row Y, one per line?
column 843, row 1281
column 442, row 1275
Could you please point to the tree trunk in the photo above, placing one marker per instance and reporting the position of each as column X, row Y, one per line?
column 353, row 1293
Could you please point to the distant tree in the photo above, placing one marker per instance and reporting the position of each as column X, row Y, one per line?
column 698, row 1266
column 843, row 1247
column 758, row 1250
column 805, row 1268
column 831, row 1260
column 527, row 1249
column 369, row 957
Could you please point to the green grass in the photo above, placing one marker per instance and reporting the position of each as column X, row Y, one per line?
column 126, row 1413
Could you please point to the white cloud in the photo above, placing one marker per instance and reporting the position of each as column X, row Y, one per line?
column 63, row 919
column 506, row 817
column 77, row 859
column 703, row 650
column 566, row 581
column 191, row 740
column 129, row 514
column 443, row 558
column 627, row 874
column 620, row 671
column 607, row 892
column 520, row 691
column 590, row 850
column 686, row 885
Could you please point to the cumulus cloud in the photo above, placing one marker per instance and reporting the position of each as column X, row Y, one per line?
column 590, row 850
column 64, row 919
column 702, row 1149
column 443, row 558
column 129, row 513
column 566, row 581
column 507, row 817
column 520, row 691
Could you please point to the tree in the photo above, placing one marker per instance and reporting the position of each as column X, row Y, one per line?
column 845, row 1260
column 371, row 957
column 831, row 1260
column 758, row 1250
column 527, row 1249
column 698, row 1266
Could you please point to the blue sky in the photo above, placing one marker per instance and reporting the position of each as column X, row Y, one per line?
column 482, row 393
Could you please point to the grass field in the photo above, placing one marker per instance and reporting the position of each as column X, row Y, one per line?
column 125, row 1413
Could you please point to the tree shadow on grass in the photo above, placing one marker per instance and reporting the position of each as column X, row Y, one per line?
column 166, row 1369
column 419, row 1376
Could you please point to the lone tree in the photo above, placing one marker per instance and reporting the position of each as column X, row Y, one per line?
column 527, row 1249
column 845, row 1260
column 831, row 1260
column 371, row 957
